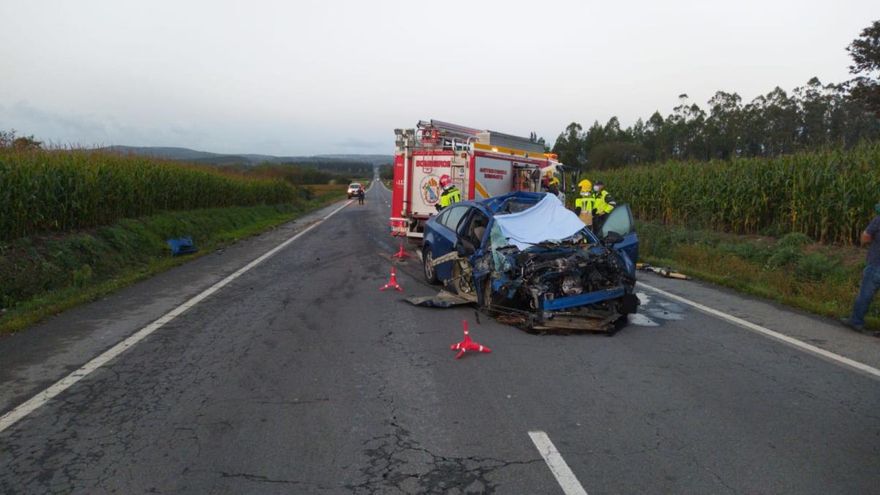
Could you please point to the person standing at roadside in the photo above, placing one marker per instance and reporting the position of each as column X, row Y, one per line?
column 361, row 195
column 870, row 277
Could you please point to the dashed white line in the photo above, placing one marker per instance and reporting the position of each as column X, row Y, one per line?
column 563, row 474
column 803, row 346
column 35, row 402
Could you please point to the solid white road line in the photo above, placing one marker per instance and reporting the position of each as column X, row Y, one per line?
column 566, row 479
column 32, row 404
column 803, row 346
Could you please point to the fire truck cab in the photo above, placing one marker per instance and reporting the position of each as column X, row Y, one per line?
column 481, row 163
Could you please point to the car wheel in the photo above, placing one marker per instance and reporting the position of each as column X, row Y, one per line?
column 427, row 268
column 461, row 283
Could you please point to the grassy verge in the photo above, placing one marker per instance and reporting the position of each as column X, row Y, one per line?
column 42, row 276
column 791, row 269
column 326, row 192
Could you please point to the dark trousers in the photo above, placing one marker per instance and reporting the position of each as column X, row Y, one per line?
column 869, row 287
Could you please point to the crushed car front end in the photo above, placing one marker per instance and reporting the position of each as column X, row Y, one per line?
column 580, row 284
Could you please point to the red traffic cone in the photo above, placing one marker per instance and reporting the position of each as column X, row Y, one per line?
column 467, row 344
column 401, row 253
column 392, row 282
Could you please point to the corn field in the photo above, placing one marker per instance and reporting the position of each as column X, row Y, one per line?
column 43, row 191
column 827, row 195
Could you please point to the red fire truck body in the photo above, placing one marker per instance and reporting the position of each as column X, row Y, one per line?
column 482, row 164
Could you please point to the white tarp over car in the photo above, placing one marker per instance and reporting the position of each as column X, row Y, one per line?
column 548, row 220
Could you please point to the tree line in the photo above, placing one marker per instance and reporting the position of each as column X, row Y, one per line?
column 813, row 116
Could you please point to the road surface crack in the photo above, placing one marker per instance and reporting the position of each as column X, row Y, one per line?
column 398, row 463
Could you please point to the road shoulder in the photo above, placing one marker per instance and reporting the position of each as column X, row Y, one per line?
column 48, row 351
column 821, row 332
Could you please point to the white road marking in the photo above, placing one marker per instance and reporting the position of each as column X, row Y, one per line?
column 32, row 404
column 566, row 479
column 803, row 346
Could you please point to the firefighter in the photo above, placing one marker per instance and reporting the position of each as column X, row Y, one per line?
column 450, row 193
column 585, row 203
column 553, row 188
column 603, row 205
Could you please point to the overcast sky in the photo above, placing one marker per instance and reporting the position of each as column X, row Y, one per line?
column 334, row 76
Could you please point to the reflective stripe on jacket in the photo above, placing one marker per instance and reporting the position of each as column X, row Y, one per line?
column 585, row 203
column 449, row 196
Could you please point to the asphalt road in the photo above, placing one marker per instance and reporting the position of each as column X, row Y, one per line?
column 300, row 376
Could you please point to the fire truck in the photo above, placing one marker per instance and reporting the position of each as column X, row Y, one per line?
column 481, row 163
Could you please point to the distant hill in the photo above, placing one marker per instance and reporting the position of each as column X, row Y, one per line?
column 374, row 159
column 186, row 154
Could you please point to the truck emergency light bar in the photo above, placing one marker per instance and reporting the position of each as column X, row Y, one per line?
column 434, row 129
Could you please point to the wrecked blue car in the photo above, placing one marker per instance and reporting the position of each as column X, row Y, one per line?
column 530, row 262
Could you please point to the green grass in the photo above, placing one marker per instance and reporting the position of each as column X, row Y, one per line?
column 46, row 275
column 791, row 269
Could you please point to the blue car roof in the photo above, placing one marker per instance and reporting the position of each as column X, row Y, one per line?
column 494, row 204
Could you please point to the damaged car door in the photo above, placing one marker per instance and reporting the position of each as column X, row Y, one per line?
column 440, row 239
column 620, row 222
column 471, row 233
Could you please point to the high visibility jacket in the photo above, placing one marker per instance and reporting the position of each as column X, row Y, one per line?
column 604, row 203
column 585, row 203
column 449, row 196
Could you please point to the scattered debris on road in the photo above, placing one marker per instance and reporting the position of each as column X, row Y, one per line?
column 442, row 299
column 663, row 272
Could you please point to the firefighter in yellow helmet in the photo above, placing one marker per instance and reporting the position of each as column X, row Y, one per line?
column 586, row 201
column 553, row 188
column 450, row 193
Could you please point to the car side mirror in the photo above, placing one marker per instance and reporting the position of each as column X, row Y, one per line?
column 612, row 238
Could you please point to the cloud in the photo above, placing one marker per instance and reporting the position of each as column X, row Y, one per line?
column 362, row 145
column 91, row 130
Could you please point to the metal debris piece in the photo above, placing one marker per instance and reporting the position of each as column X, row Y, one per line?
column 181, row 245
column 663, row 272
column 442, row 299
